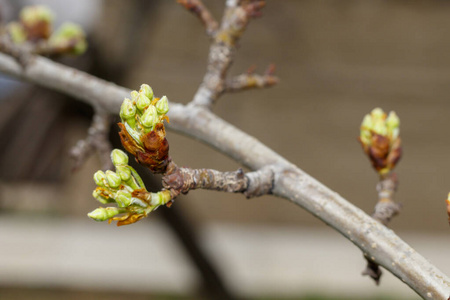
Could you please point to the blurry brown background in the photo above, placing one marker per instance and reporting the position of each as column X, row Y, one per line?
column 337, row 60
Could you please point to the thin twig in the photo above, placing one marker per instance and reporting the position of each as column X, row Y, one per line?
column 290, row 182
column 251, row 80
column 221, row 54
column 96, row 142
column 385, row 210
column 198, row 8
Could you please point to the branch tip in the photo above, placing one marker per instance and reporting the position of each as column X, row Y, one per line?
column 251, row 70
column 373, row 271
column 96, row 142
column 250, row 80
column 253, row 7
column 198, row 8
column 270, row 69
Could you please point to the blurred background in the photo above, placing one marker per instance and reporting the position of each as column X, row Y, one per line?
column 337, row 60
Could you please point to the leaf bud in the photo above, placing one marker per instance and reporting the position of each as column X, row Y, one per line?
column 119, row 158
column 103, row 214
column 379, row 127
column 378, row 114
column 69, row 38
column 113, row 179
column 150, row 117
column 147, row 91
column 124, row 172
column 162, row 106
column 134, row 95
column 16, row 32
column 99, row 178
column 127, row 112
column 31, row 15
column 367, row 122
column 123, row 198
column 37, row 21
column 142, row 101
column 393, row 124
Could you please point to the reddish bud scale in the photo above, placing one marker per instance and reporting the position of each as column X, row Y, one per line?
column 155, row 153
column 127, row 219
column 40, row 30
column 141, row 194
column 381, row 154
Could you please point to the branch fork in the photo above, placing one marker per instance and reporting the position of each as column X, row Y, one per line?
column 223, row 48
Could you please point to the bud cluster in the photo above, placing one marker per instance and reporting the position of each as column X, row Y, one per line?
column 379, row 137
column 35, row 26
column 126, row 189
column 142, row 129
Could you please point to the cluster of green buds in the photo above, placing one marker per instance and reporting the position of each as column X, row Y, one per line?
column 379, row 137
column 126, row 189
column 35, row 26
column 69, row 38
column 142, row 129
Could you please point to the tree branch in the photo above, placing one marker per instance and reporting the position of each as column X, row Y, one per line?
column 223, row 48
column 96, row 141
column 385, row 210
column 253, row 184
column 290, row 182
column 251, row 80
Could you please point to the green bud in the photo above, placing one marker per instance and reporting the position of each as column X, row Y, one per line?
column 127, row 112
column 378, row 114
column 124, row 172
column 119, row 158
column 392, row 121
column 162, row 106
column 365, row 137
column 30, row 15
column 380, row 127
column 134, row 95
column 147, row 91
column 16, row 32
column 113, row 179
column 394, row 134
column 103, row 214
column 367, row 122
column 99, row 178
column 150, row 117
column 142, row 101
column 69, row 36
column 123, row 198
